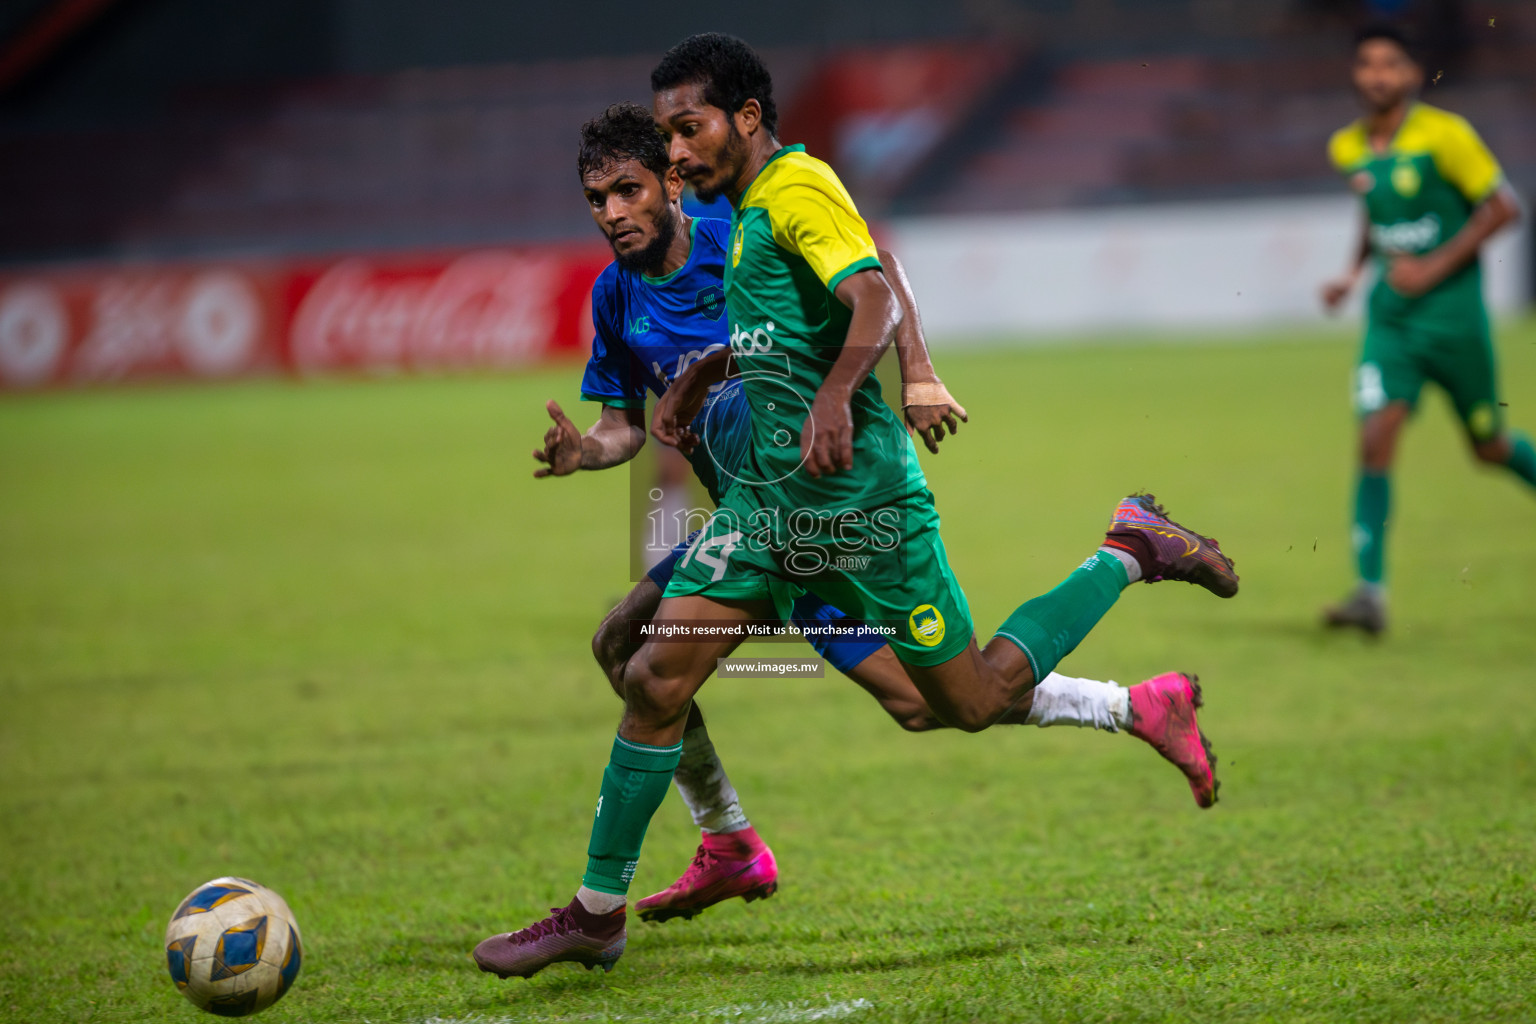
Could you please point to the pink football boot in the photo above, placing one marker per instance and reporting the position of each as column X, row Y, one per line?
column 726, row 865
column 1163, row 714
column 568, row 935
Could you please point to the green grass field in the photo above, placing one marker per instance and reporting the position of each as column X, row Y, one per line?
column 332, row 636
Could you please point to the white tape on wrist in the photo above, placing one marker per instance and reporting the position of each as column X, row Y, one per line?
column 925, row 393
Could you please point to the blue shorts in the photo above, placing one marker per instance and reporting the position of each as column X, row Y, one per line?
column 842, row 653
column 724, row 426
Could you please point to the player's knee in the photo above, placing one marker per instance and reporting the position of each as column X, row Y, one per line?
column 1494, row 453
column 654, row 693
column 964, row 718
column 914, row 719
column 1378, row 437
column 971, row 723
column 609, row 647
column 1375, row 452
column 946, row 712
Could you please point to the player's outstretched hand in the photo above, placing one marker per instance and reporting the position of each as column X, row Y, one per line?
column 561, row 453
column 930, row 408
column 826, row 440
column 678, row 406
column 1336, row 291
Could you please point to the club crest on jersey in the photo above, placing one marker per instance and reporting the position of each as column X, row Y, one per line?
column 927, row 625
column 710, row 301
column 1406, row 179
column 741, row 238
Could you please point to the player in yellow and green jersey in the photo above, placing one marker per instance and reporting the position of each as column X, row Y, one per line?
column 830, row 500
column 1432, row 195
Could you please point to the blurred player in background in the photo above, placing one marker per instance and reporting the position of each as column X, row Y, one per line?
column 1432, row 195
column 827, row 313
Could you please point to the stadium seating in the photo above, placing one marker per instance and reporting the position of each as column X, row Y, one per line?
column 1132, row 111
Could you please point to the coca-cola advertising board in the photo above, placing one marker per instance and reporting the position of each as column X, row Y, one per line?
column 489, row 308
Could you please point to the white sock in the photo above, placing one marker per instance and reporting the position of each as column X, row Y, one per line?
column 1132, row 567
column 1085, row 703
column 599, row 902
column 704, row 787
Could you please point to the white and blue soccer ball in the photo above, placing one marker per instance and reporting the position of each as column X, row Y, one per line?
column 233, row 947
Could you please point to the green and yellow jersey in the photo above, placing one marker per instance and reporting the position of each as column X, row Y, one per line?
column 795, row 237
column 865, row 540
column 1418, row 192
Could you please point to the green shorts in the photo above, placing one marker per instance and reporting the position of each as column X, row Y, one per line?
column 1398, row 356
column 884, row 566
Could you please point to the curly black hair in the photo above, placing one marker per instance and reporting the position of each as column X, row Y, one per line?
column 625, row 131
column 730, row 71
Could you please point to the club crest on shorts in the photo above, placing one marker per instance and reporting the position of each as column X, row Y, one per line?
column 1482, row 422
column 927, row 625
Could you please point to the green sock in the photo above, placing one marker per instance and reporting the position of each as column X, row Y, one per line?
column 1522, row 457
column 1049, row 627
column 637, row 778
column 1373, row 500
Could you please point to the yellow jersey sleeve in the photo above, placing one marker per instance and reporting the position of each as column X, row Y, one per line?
column 814, row 217
column 1463, row 159
column 1347, row 148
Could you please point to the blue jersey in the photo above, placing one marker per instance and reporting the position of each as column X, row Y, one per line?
column 648, row 330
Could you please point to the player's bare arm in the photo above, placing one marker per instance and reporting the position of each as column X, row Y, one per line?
column 1337, row 290
column 826, row 440
column 616, row 437
column 1415, row 275
column 680, row 404
column 926, row 402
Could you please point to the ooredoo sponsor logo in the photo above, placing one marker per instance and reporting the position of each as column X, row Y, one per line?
column 747, row 341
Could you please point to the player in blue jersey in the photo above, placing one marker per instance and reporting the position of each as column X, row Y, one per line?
column 656, row 310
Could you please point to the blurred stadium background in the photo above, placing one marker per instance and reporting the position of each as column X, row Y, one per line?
column 208, row 189
column 329, row 635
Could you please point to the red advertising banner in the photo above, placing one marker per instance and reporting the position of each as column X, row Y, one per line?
column 491, row 308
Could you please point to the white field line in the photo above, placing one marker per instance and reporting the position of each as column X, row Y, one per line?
column 747, row 1013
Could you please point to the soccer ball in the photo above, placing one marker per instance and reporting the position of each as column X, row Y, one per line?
column 233, row 947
